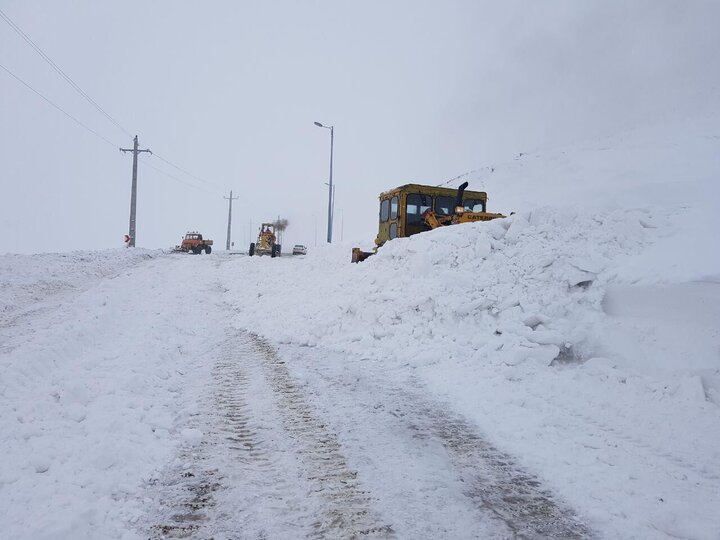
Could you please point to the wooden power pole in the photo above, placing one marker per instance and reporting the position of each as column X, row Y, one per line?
column 230, row 200
column 133, row 193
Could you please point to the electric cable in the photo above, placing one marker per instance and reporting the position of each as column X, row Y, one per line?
column 461, row 176
column 77, row 88
column 60, row 72
column 70, row 116
column 188, row 173
column 165, row 173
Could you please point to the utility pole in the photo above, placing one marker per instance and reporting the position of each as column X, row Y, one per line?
column 133, row 192
column 230, row 200
column 331, row 191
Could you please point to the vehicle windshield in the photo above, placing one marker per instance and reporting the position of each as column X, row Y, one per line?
column 416, row 205
column 445, row 205
column 474, row 205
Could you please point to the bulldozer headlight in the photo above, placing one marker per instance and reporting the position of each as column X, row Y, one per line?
column 459, row 209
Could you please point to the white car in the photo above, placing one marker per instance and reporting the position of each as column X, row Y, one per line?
column 299, row 250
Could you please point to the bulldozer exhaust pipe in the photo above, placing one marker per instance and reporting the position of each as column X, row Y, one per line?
column 460, row 193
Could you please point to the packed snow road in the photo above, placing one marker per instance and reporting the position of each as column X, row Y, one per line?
column 152, row 416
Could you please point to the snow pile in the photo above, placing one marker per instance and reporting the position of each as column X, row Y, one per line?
column 508, row 291
column 30, row 279
column 95, row 391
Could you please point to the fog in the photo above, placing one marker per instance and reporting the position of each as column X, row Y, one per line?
column 417, row 91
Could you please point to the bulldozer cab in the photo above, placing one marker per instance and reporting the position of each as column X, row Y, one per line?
column 402, row 208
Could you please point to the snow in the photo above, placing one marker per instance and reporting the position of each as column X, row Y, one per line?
column 576, row 341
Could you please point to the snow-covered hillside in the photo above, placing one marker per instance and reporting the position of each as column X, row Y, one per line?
column 567, row 357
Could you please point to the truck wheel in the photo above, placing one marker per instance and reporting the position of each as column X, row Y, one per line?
column 272, row 251
column 252, row 249
column 197, row 251
column 208, row 250
column 279, row 250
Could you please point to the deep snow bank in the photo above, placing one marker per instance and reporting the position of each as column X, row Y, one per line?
column 526, row 288
column 97, row 387
column 29, row 279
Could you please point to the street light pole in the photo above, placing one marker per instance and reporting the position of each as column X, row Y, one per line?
column 330, row 184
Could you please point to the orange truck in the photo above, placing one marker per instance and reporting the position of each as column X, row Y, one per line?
column 195, row 243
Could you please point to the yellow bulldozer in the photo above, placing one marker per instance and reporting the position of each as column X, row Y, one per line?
column 414, row 208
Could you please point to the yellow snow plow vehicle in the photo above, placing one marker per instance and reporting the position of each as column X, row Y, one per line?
column 266, row 242
column 414, row 208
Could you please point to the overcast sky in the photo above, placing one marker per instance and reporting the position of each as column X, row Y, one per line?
column 418, row 91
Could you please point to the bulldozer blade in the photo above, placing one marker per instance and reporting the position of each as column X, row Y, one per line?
column 359, row 255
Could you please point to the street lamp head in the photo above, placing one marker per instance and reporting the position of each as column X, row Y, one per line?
column 318, row 124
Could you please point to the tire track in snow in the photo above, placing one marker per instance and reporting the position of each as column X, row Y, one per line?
column 347, row 509
column 494, row 481
column 266, row 467
column 216, row 487
column 508, row 501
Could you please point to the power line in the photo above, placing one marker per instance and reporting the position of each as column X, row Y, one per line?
column 165, row 173
column 188, row 173
column 77, row 88
column 458, row 177
column 104, row 139
column 70, row 116
column 60, row 72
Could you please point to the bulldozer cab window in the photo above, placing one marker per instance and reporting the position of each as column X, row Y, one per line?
column 415, row 206
column 474, row 205
column 384, row 210
column 394, row 208
column 393, row 230
column 444, row 205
